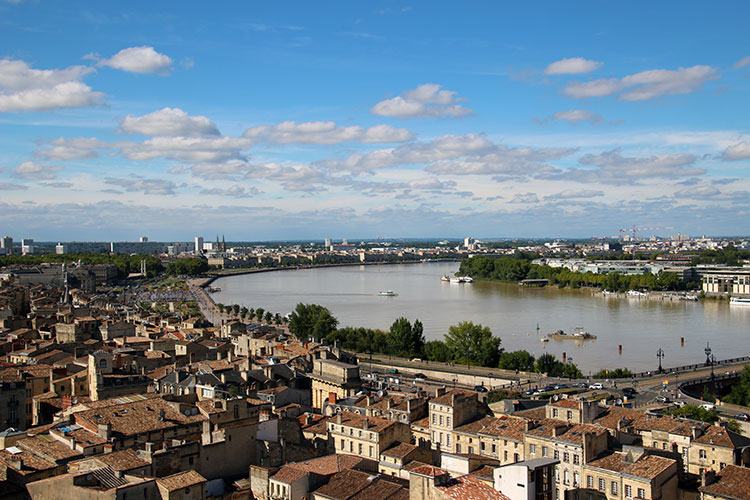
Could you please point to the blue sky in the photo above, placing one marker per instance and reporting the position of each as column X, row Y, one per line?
column 300, row 120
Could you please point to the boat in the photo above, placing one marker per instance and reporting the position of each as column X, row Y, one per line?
column 578, row 334
column 739, row 301
column 445, row 278
column 211, row 289
column 465, row 279
column 456, row 280
column 387, row 293
column 544, row 339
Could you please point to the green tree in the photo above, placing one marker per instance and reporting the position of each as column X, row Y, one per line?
column 740, row 394
column 437, row 350
column 221, row 307
column 406, row 339
column 694, row 412
column 312, row 320
column 259, row 313
column 517, row 360
column 269, row 317
column 473, row 344
column 236, row 308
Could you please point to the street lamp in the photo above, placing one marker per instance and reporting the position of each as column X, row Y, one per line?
column 707, row 350
column 713, row 360
column 660, row 355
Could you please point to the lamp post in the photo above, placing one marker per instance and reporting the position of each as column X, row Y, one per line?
column 660, row 355
column 707, row 350
column 713, row 360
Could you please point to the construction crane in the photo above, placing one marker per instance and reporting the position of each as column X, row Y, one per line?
column 635, row 230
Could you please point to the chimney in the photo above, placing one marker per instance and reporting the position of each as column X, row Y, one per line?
column 338, row 418
column 365, row 423
column 708, row 477
column 332, row 398
column 440, row 391
column 105, row 431
column 697, row 432
column 16, row 464
column 149, row 447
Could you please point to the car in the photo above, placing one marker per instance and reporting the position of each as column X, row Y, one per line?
column 420, row 376
column 561, row 386
column 680, row 402
column 480, row 388
column 581, row 384
column 742, row 416
column 529, row 392
column 708, row 406
column 597, row 386
column 629, row 391
column 661, row 399
column 393, row 370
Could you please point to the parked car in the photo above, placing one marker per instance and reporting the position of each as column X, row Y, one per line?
column 561, row 386
column 742, row 416
column 629, row 391
column 661, row 399
column 581, row 384
column 680, row 402
column 529, row 392
column 708, row 406
column 480, row 388
column 393, row 370
column 420, row 376
column 597, row 386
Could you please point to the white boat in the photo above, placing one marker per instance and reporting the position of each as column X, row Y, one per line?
column 456, row 280
column 445, row 278
column 387, row 293
column 739, row 301
column 462, row 279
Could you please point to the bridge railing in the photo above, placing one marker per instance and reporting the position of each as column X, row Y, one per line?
column 693, row 367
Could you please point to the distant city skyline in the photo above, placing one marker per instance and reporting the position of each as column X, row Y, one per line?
column 302, row 121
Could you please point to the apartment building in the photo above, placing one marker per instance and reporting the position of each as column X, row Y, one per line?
column 365, row 437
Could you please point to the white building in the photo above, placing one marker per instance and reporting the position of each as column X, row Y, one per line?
column 6, row 245
column 198, row 245
column 61, row 248
column 27, row 246
column 527, row 480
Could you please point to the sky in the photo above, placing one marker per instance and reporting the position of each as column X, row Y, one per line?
column 307, row 120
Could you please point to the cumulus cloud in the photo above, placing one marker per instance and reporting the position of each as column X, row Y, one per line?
column 75, row 148
column 23, row 88
column 572, row 194
column 613, row 168
column 745, row 61
column 169, row 122
column 187, row 149
column 739, row 151
column 326, row 133
column 711, row 193
column 6, row 186
column 142, row 59
column 646, row 84
column 525, row 198
column 574, row 117
column 148, row 186
column 234, row 191
column 34, row 170
column 572, row 66
column 427, row 100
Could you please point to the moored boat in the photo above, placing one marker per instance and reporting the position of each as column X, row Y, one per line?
column 387, row 293
column 578, row 334
column 739, row 301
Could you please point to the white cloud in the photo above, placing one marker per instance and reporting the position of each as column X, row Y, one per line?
column 427, row 100
column 571, row 194
column 234, row 191
column 571, row 66
column 576, row 116
column 613, row 168
column 75, row 148
column 169, row 122
column 187, row 149
column 739, row 151
column 711, row 193
column 148, row 186
column 326, row 133
column 745, row 61
column 34, row 170
column 5, row 186
column 525, row 198
column 646, row 84
column 142, row 59
column 25, row 89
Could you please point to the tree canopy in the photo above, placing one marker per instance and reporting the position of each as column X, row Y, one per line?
column 406, row 339
column 473, row 344
column 312, row 320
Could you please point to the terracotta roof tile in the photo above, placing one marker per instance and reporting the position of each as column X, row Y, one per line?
column 180, row 480
column 732, row 482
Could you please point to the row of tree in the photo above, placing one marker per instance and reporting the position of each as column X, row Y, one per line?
column 465, row 343
column 251, row 314
column 515, row 269
column 125, row 264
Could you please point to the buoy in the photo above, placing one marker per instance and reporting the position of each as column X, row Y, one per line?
column 682, row 341
column 564, row 356
column 619, row 348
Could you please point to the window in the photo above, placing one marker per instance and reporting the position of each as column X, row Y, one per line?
column 554, row 412
column 494, row 449
column 556, row 455
column 458, row 447
column 360, row 448
column 505, row 455
column 628, row 491
column 434, row 419
column 343, row 444
column 641, row 493
column 448, row 421
column 448, row 439
column 471, row 450
column 566, row 477
column 372, row 451
column 589, row 481
column 566, row 457
column 602, row 484
column 481, row 445
column 570, row 415
column 576, row 460
column 545, row 451
column 613, row 487
column 532, row 449
column 441, row 420
column 576, row 479
column 702, row 453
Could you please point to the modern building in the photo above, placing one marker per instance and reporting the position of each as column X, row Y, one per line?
column 6, row 244
column 734, row 281
column 527, row 480
column 61, row 248
column 27, row 246
column 198, row 245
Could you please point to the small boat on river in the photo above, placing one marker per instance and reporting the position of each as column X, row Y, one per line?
column 578, row 334
column 387, row 293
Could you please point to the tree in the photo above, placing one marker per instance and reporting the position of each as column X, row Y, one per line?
column 740, row 394
column 517, row 360
column 251, row 313
column 259, row 314
column 437, row 350
column 312, row 320
column 190, row 266
column 473, row 344
column 694, row 412
column 269, row 317
column 405, row 339
column 236, row 308
column 221, row 307
column 546, row 363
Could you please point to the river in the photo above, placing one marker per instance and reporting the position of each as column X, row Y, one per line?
column 512, row 312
